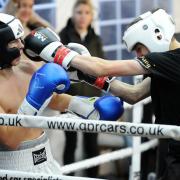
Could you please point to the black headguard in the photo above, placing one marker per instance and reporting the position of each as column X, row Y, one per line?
column 10, row 29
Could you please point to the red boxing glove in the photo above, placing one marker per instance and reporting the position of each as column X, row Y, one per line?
column 104, row 82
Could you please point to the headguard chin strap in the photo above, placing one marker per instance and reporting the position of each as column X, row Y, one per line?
column 154, row 30
column 10, row 29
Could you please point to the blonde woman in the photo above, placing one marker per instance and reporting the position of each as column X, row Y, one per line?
column 79, row 30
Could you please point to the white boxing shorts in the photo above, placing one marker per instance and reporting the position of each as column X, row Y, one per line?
column 33, row 156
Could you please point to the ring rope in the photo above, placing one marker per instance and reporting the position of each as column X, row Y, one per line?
column 104, row 158
column 94, row 126
column 20, row 175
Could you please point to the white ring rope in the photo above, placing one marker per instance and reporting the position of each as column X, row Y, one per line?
column 104, row 158
column 20, row 175
column 94, row 126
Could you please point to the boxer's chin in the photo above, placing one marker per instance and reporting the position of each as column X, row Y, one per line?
column 16, row 61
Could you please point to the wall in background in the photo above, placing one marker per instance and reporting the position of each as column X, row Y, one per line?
column 64, row 11
column 176, row 14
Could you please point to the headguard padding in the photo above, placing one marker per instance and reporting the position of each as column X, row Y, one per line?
column 153, row 30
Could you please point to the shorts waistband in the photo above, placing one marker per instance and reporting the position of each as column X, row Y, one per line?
column 26, row 159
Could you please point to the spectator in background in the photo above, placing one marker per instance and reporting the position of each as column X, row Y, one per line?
column 79, row 30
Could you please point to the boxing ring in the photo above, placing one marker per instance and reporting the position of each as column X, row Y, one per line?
column 73, row 123
column 94, row 126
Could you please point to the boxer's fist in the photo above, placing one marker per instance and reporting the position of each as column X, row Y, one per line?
column 100, row 108
column 79, row 48
column 48, row 79
column 102, row 83
column 42, row 44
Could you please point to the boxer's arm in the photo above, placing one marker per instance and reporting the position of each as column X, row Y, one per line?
column 101, row 67
column 60, row 102
column 11, row 136
column 95, row 107
column 48, row 48
column 121, row 67
column 131, row 93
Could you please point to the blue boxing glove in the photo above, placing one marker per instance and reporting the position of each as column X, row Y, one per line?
column 100, row 108
column 48, row 79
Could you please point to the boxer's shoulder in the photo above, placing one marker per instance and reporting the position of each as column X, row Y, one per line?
column 28, row 67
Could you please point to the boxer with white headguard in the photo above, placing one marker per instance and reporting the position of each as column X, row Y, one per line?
column 151, row 36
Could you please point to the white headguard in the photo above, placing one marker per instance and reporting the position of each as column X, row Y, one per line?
column 154, row 30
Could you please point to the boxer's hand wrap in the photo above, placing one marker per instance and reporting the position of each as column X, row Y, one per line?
column 63, row 56
column 104, row 82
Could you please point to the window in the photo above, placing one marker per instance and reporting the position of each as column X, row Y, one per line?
column 45, row 8
column 115, row 15
column 2, row 4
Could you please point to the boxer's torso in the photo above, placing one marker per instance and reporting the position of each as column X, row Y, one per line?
column 14, row 84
